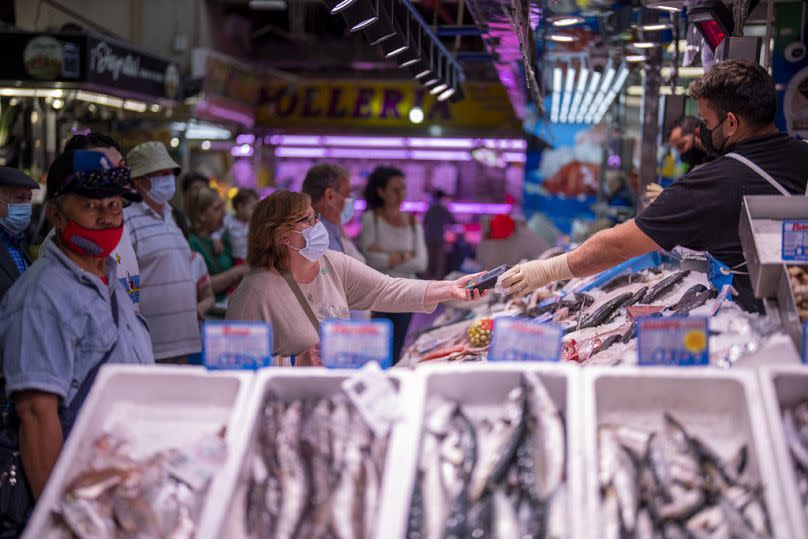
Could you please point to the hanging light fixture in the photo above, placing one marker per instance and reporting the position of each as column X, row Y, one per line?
column 713, row 20
column 413, row 53
column 423, row 67
column 452, row 82
column 441, row 77
column 383, row 28
column 398, row 43
column 361, row 14
column 336, row 6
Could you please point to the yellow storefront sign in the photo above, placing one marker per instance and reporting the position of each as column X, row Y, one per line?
column 380, row 106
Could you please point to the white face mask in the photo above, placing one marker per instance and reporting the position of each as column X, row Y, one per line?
column 162, row 188
column 316, row 242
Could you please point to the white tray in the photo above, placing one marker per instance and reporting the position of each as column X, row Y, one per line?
column 783, row 387
column 480, row 386
column 719, row 406
column 157, row 407
column 293, row 384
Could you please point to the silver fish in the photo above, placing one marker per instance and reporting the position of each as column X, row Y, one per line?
column 625, row 485
column 610, row 515
column 84, row 519
column 347, row 500
column 557, row 515
column 293, row 478
column 547, row 432
column 710, row 523
column 506, row 525
column 685, row 503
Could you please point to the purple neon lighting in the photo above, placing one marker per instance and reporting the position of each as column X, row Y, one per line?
column 397, row 142
column 245, row 138
column 454, row 207
column 392, row 142
column 300, row 152
column 358, row 153
column 514, row 157
column 243, row 150
column 442, row 155
column 442, row 142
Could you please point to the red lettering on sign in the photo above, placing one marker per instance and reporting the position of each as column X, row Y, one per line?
column 798, row 227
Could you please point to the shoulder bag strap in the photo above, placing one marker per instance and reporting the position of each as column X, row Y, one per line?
column 70, row 413
column 302, row 300
column 762, row 173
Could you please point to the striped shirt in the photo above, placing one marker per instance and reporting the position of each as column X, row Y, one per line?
column 167, row 286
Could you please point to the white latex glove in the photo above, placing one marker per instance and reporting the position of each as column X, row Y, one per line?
column 652, row 192
column 524, row 278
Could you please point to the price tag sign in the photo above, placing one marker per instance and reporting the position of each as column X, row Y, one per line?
column 795, row 240
column 350, row 344
column 520, row 339
column 236, row 345
column 673, row 341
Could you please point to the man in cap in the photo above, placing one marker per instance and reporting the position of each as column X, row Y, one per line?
column 167, row 287
column 68, row 314
column 15, row 215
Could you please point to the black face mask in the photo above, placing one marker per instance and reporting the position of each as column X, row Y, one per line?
column 706, row 136
column 693, row 157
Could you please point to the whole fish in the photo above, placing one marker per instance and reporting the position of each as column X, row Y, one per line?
column 315, row 440
column 293, row 478
column 610, row 515
column 348, row 499
column 605, row 311
column 546, row 430
column 456, row 522
column 626, row 487
column 505, row 521
column 665, row 286
column 556, row 517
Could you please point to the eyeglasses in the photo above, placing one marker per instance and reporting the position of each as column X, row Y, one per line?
column 311, row 221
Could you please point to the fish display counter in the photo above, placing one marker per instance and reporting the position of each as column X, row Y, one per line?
column 149, row 456
column 598, row 318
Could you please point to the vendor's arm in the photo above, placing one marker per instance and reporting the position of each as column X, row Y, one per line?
column 40, row 435
column 602, row 251
column 367, row 289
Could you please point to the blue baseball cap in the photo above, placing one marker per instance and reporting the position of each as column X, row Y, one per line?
column 89, row 174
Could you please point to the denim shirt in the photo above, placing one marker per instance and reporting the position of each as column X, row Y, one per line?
column 56, row 324
column 334, row 240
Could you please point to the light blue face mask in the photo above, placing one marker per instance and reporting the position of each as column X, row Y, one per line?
column 316, row 242
column 162, row 188
column 347, row 210
column 18, row 217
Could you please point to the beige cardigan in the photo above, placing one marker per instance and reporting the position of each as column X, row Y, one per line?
column 343, row 284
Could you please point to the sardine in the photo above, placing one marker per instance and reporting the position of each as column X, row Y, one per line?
column 467, row 441
column 694, row 298
column 546, row 429
column 294, row 480
column 348, row 498
column 625, row 485
column 506, row 524
column 665, row 286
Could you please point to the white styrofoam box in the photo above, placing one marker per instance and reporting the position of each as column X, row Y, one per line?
column 156, row 408
column 482, row 389
column 721, row 407
column 783, row 387
column 309, row 383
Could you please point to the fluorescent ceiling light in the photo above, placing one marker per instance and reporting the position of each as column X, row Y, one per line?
column 580, row 90
column 137, row 106
column 269, row 5
column 565, row 20
column 636, row 91
column 635, row 58
column 556, row 103
column 567, row 100
column 30, row 92
column 644, row 45
column 686, row 72
column 99, row 99
column 438, row 89
column 656, row 27
column 560, row 38
column 449, row 92
column 594, row 82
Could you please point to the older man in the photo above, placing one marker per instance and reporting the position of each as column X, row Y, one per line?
column 68, row 314
column 329, row 187
column 167, row 286
column 15, row 214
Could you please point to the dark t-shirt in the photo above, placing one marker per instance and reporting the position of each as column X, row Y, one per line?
column 702, row 210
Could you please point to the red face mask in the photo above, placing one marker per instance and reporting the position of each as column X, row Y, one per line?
column 91, row 242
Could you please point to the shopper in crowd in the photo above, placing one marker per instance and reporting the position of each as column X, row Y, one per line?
column 737, row 103
column 190, row 181
column 508, row 241
column 329, row 187
column 296, row 282
column 206, row 217
column 16, row 190
column 68, row 314
column 392, row 240
column 436, row 219
column 168, row 295
column 237, row 223
column 684, row 138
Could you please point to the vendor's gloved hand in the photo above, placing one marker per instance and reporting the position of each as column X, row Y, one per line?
column 652, row 191
column 524, row 278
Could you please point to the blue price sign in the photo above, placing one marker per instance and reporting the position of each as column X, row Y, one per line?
column 805, row 342
column 520, row 339
column 350, row 344
column 795, row 240
column 236, row 345
column 673, row 341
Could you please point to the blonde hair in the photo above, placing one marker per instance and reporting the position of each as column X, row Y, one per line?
column 272, row 218
column 198, row 201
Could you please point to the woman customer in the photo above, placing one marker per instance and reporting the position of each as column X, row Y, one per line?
column 206, row 216
column 392, row 240
column 287, row 248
